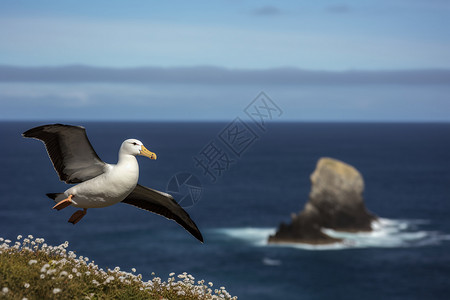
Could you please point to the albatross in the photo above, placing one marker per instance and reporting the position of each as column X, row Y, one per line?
column 99, row 184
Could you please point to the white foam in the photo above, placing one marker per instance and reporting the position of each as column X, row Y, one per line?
column 271, row 262
column 256, row 236
column 387, row 233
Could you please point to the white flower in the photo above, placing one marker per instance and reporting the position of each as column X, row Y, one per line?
column 24, row 298
column 171, row 274
column 42, row 276
column 74, row 270
column 63, row 273
column 44, row 268
column 32, row 262
column 133, row 270
column 5, row 290
column 51, row 271
column 56, row 290
column 7, row 241
column 19, row 237
column 30, row 236
column 26, row 285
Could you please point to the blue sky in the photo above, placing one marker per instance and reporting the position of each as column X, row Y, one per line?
column 257, row 36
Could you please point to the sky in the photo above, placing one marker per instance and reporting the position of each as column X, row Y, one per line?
column 206, row 60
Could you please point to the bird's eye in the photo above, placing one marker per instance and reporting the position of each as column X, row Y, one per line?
column 134, row 143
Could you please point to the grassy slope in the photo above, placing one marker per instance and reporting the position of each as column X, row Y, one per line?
column 33, row 270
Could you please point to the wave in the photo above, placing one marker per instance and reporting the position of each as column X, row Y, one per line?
column 387, row 233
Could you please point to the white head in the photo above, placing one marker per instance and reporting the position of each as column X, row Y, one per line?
column 135, row 147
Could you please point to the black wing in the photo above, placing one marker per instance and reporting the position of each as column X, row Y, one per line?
column 162, row 204
column 70, row 151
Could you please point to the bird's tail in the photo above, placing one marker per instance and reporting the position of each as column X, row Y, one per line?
column 56, row 196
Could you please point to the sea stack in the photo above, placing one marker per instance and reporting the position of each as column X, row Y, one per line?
column 335, row 202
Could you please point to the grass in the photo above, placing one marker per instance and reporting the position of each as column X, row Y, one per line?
column 31, row 269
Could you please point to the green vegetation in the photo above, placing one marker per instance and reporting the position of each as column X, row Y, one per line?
column 31, row 269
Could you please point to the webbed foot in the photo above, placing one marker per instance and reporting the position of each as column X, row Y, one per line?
column 63, row 203
column 77, row 216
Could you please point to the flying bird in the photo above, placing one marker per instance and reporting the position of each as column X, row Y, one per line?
column 99, row 184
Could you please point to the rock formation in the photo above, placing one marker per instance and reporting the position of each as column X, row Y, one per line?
column 335, row 202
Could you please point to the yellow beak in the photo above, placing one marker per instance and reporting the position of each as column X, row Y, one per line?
column 146, row 152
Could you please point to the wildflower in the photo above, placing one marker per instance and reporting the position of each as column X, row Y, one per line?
column 30, row 236
column 5, row 290
column 26, row 285
column 70, row 276
column 171, row 274
column 24, row 298
column 56, row 290
column 51, row 271
column 32, row 262
column 19, row 237
column 7, row 241
column 74, row 270
column 133, row 270
column 63, row 273
column 42, row 276
column 44, row 268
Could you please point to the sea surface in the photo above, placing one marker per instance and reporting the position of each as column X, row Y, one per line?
column 262, row 179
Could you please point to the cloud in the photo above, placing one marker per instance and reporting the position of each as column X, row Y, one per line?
column 267, row 10
column 217, row 76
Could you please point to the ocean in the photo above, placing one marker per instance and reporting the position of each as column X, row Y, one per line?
column 255, row 182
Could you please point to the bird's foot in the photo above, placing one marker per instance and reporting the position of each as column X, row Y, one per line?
column 63, row 203
column 77, row 216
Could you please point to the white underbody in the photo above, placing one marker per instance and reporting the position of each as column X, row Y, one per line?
column 109, row 188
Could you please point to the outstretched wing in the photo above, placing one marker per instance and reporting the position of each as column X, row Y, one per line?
column 162, row 204
column 70, row 151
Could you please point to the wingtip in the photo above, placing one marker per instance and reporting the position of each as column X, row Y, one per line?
column 197, row 234
column 200, row 238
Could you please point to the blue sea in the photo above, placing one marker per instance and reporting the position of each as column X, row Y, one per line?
column 265, row 178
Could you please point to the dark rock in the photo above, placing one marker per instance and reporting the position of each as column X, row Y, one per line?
column 335, row 202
